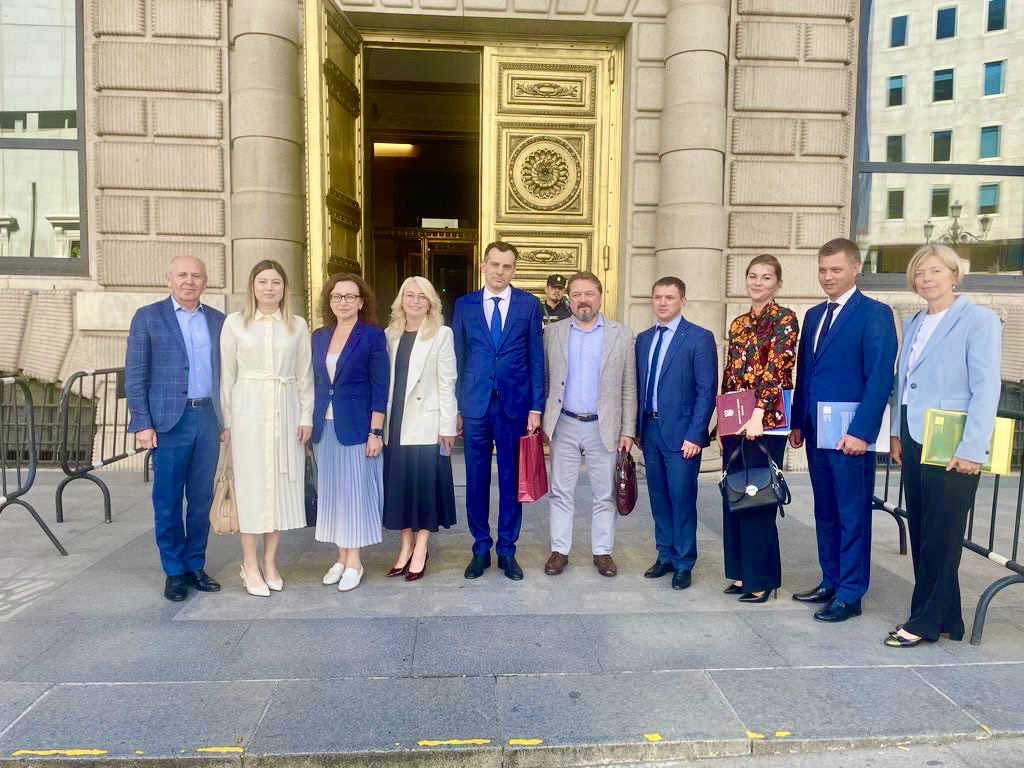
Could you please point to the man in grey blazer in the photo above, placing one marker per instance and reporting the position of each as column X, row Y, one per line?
column 590, row 379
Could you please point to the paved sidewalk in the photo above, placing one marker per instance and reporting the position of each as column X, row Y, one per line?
column 566, row 670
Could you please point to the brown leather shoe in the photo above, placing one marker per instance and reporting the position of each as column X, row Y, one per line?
column 605, row 565
column 556, row 564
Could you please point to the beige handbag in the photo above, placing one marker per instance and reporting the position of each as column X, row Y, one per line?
column 223, row 509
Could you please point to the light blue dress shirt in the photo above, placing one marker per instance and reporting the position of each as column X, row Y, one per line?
column 584, row 367
column 667, row 337
column 196, row 334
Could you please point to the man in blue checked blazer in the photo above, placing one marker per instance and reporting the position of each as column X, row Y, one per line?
column 847, row 354
column 499, row 346
column 172, row 380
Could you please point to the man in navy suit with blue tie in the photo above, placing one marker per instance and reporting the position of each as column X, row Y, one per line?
column 677, row 374
column 172, row 380
column 500, row 351
column 847, row 354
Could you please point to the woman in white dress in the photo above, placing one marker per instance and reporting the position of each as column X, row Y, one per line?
column 267, row 400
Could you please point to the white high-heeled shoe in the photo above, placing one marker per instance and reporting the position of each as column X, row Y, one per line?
column 333, row 575
column 276, row 585
column 350, row 579
column 263, row 591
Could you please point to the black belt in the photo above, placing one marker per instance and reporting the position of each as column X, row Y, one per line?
column 584, row 417
column 199, row 402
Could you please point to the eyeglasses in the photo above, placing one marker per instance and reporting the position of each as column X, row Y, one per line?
column 345, row 298
column 409, row 296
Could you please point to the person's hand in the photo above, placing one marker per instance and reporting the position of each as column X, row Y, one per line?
column 458, row 424
column 225, row 435
column 146, row 438
column 689, row 449
column 625, row 443
column 795, row 438
column 374, row 445
column 532, row 422
column 963, row 466
column 447, row 441
column 303, row 434
column 753, row 428
column 896, row 450
column 851, row 446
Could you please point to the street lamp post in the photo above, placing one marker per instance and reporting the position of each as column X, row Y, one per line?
column 956, row 234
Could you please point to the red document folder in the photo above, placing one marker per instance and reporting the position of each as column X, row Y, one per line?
column 734, row 410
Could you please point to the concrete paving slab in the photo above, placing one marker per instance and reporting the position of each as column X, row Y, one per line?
column 23, row 641
column 990, row 692
column 153, row 720
column 502, row 645
column 15, row 698
column 584, row 719
column 1001, row 641
column 322, row 648
column 837, row 707
column 100, row 594
column 391, row 719
column 136, row 651
column 646, row 642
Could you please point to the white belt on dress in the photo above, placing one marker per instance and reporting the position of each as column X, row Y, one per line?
column 286, row 457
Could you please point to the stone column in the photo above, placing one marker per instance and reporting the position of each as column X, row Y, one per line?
column 267, row 188
column 691, row 223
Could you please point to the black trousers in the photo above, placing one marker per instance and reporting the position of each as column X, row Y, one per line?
column 938, row 503
column 751, row 538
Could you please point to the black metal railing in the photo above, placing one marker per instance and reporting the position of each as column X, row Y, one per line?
column 18, row 450
column 94, row 431
column 995, row 535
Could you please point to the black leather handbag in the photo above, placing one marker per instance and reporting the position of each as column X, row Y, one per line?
column 625, row 483
column 745, row 488
column 310, row 490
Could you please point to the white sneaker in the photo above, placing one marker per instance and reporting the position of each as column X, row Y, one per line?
column 333, row 575
column 350, row 579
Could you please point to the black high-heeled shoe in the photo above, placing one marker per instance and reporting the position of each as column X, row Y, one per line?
column 897, row 641
column 733, row 589
column 750, row 597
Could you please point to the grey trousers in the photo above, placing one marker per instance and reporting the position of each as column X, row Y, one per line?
column 572, row 441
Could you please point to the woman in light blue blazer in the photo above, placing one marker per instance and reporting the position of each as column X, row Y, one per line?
column 949, row 360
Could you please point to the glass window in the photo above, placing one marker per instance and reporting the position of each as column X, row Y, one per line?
column 897, row 31
column 942, row 85
column 894, row 149
column 40, row 145
column 988, row 198
column 994, row 77
column 894, row 204
column 942, row 146
column 940, row 202
column 989, row 146
column 945, row 23
column 895, row 86
column 995, row 15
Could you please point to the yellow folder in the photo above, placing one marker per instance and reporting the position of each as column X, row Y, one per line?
column 943, row 431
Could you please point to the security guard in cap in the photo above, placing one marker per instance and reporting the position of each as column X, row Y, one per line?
column 554, row 305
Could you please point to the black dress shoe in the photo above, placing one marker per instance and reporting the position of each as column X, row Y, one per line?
column 658, row 570
column 477, row 566
column 201, row 580
column 733, row 589
column 680, row 580
column 175, row 589
column 508, row 564
column 819, row 594
column 750, row 597
column 837, row 611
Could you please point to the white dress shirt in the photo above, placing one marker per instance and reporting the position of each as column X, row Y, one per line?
column 841, row 301
column 653, row 377
column 924, row 332
column 488, row 301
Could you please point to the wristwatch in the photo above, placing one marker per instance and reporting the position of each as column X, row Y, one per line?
column 377, row 432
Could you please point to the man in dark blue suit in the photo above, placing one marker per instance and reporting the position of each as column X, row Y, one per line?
column 677, row 374
column 172, row 380
column 847, row 354
column 500, row 351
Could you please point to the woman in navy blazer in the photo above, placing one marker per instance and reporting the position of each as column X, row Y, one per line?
column 350, row 375
column 950, row 360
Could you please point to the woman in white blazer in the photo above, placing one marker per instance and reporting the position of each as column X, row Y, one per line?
column 419, row 494
column 949, row 360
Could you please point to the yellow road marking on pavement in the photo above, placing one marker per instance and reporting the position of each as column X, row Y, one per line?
column 219, row 750
column 525, row 742
column 783, row 733
column 754, row 735
column 139, row 752
column 652, row 736
column 451, row 742
column 985, row 728
column 59, row 752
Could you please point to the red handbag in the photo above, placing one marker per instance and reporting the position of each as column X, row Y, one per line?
column 533, row 474
column 625, row 483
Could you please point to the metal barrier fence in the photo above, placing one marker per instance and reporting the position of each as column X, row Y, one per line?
column 986, row 535
column 94, row 429
column 18, row 450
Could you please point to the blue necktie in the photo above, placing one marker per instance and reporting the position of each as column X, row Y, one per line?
column 496, row 322
column 825, row 325
column 652, row 381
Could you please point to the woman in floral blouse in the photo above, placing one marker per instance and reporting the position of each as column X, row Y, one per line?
column 762, row 351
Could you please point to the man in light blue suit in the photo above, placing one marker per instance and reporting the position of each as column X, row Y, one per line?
column 677, row 373
column 499, row 347
column 847, row 354
column 172, row 381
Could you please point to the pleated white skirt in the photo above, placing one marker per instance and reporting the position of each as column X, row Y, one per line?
column 350, row 493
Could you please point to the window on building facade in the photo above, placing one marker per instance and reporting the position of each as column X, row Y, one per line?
column 910, row 181
column 41, row 164
column 945, row 23
column 995, row 72
column 897, row 31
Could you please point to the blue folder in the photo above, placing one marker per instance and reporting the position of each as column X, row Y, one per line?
column 787, row 405
column 834, row 421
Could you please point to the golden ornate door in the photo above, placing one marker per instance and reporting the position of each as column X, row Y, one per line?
column 334, row 161
column 550, row 138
